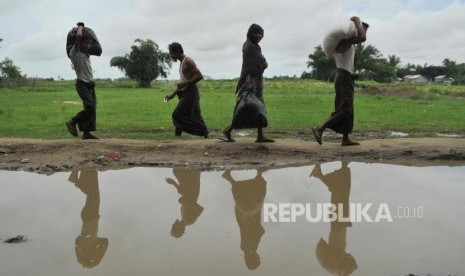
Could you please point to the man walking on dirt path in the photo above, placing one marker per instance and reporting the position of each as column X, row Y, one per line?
column 342, row 119
column 85, row 86
column 187, row 116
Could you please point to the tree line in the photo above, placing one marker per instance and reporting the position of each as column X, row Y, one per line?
column 370, row 64
column 8, row 69
column 146, row 62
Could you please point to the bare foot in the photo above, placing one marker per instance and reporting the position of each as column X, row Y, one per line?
column 88, row 136
column 72, row 128
column 349, row 143
column 317, row 133
column 227, row 135
column 316, row 172
column 264, row 140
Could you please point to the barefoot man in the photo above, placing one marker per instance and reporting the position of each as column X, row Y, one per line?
column 187, row 116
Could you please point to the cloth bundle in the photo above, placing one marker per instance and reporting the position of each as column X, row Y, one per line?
column 95, row 49
column 249, row 112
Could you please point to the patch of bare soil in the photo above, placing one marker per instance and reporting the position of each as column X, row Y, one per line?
column 49, row 156
column 390, row 91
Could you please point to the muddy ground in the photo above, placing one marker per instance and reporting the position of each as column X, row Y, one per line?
column 49, row 156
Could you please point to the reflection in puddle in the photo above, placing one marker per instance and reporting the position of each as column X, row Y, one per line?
column 249, row 196
column 177, row 221
column 331, row 254
column 89, row 247
column 188, row 186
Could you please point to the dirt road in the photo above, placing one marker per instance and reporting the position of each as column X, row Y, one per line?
column 48, row 156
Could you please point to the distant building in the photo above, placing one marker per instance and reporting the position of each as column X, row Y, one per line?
column 440, row 78
column 415, row 79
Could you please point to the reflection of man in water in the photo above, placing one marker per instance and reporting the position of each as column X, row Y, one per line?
column 249, row 196
column 332, row 254
column 188, row 186
column 89, row 248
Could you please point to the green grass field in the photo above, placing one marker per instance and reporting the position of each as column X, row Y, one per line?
column 293, row 106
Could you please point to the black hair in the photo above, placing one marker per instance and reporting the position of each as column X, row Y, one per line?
column 254, row 29
column 365, row 25
column 176, row 48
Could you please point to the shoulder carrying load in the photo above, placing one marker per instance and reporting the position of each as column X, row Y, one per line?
column 95, row 48
column 336, row 34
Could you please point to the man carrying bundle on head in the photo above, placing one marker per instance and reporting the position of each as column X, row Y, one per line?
column 342, row 119
column 84, row 44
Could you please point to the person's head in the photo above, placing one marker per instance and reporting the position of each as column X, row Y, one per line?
column 255, row 33
column 90, row 251
column 176, row 50
column 334, row 260
column 178, row 228
column 86, row 43
column 252, row 259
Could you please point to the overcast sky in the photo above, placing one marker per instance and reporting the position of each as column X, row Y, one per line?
column 213, row 31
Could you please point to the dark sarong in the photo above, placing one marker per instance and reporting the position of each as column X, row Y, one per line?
column 86, row 119
column 342, row 119
column 187, row 116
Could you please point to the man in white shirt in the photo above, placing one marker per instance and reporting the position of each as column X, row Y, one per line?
column 187, row 116
column 342, row 119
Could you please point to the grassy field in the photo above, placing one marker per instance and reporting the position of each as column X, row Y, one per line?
column 293, row 106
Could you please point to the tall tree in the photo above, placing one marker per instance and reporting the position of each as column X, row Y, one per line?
column 394, row 61
column 382, row 71
column 9, row 70
column 145, row 63
column 323, row 67
column 365, row 60
column 408, row 69
column 449, row 66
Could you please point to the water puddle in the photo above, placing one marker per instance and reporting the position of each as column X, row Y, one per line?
column 386, row 220
column 448, row 135
column 397, row 134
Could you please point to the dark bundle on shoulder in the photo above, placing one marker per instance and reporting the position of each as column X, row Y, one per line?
column 95, row 49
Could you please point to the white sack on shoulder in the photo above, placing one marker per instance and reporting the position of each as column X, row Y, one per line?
column 336, row 34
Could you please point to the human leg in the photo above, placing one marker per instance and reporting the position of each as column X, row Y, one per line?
column 261, row 137
column 227, row 134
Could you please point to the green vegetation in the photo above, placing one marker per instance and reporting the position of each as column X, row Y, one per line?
column 294, row 105
column 370, row 64
column 145, row 63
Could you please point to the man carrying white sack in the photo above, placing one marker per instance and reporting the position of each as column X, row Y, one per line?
column 342, row 119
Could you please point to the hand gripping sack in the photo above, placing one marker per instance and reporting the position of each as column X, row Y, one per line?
column 95, row 48
column 249, row 112
column 336, row 34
